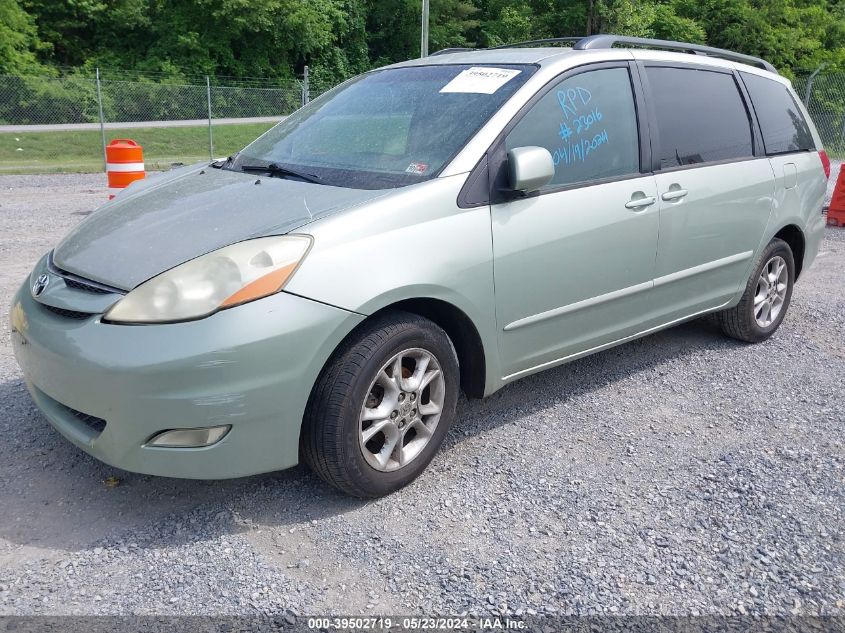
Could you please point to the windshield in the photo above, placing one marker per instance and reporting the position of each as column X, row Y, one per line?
column 385, row 129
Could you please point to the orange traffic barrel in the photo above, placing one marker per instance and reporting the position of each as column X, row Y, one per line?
column 836, row 211
column 124, row 164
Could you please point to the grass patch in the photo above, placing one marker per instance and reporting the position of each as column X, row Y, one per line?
column 80, row 152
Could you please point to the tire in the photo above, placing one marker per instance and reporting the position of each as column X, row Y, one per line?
column 359, row 381
column 746, row 321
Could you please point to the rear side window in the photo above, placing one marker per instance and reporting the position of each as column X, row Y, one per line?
column 589, row 125
column 781, row 122
column 701, row 116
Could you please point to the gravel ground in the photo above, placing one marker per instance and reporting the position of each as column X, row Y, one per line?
column 684, row 473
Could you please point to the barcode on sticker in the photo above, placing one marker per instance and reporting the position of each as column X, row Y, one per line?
column 480, row 80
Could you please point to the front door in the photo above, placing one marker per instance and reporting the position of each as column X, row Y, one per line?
column 574, row 263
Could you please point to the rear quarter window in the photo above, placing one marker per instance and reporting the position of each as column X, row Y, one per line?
column 781, row 122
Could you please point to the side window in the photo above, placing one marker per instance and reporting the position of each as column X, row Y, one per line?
column 588, row 123
column 700, row 116
column 781, row 122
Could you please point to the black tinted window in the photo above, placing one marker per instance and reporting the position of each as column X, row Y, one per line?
column 700, row 116
column 589, row 125
column 781, row 122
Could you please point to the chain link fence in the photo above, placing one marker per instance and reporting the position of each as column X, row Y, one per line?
column 824, row 95
column 78, row 99
column 182, row 121
column 62, row 123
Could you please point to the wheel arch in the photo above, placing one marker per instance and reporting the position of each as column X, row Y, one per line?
column 794, row 237
column 461, row 330
column 473, row 357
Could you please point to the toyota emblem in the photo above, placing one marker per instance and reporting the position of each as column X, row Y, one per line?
column 40, row 285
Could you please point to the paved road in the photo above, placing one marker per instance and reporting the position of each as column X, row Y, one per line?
column 75, row 127
column 682, row 474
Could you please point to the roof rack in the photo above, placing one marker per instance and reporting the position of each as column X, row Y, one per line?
column 548, row 40
column 446, row 51
column 608, row 41
column 592, row 42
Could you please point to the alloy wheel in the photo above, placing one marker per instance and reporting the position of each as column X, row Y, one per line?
column 771, row 291
column 401, row 410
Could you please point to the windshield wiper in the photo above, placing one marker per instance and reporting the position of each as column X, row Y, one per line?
column 277, row 170
column 221, row 164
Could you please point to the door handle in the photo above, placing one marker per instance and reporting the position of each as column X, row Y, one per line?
column 640, row 203
column 674, row 194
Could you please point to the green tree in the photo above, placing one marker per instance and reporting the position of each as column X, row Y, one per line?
column 19, row 42
column 242, row 38
column 452, row 22
column 504, row 21
column 393, row 27
column 789, row 33
column 650, row 19
column 337, row 38
column 393, row 30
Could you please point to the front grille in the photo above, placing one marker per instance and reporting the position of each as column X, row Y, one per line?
column 98, row 425
column 76, row 284
column 63, row 416
column 93, row 423
column 80, row 283
column 67, row 314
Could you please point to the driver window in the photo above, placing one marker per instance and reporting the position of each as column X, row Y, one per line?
column 588, row 123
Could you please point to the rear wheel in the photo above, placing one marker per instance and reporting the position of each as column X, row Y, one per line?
column 766, row 298
column 382, row 406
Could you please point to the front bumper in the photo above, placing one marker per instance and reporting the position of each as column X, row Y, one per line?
column 251, row 367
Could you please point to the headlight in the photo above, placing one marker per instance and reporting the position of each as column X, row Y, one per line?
column 228, row 277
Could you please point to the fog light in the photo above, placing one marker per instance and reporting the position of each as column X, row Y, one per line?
column 189, row 438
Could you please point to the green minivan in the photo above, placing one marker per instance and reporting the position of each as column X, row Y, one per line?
column 449, row 223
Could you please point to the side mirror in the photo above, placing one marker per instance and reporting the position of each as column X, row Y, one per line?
column 530, row 168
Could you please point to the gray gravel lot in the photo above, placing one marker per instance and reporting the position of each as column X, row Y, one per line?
column 683, row 473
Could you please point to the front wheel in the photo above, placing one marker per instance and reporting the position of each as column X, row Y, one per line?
column 382, row 406
column 766, row 298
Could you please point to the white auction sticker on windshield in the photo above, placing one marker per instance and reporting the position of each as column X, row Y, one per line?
column 480, row 80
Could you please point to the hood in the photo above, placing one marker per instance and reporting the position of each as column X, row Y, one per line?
column 164, row 221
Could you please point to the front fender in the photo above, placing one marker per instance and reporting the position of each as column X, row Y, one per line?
column 414, row 243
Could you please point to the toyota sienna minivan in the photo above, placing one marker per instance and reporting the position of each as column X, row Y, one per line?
column 449, row 223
